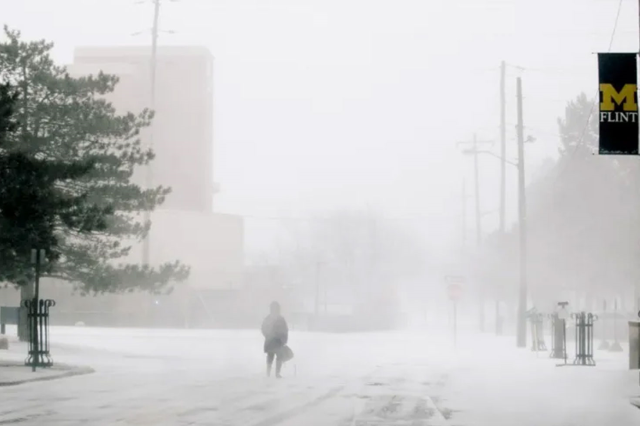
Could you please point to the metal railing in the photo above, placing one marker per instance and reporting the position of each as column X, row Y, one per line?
column 38, row 316
column 584, row 338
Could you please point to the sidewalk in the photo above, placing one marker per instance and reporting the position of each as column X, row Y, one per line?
column 14, row 372
column 503, row 386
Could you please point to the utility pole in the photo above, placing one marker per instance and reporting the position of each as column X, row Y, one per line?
column 464, row 215
column 522, row 218
column 503, row 166
column 375, row 282
column 374, row 268
column 478, row 216
column 149, row 172
column 503, row 145
column 146, row 242
column 154, row 49
column 317, row 304
column 476, row 178
column 478, row 221
column 475, row 151
column 325, row 300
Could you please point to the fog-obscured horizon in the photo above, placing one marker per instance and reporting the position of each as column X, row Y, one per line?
column 330, row 113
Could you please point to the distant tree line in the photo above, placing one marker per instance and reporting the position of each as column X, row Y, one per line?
column 352, row 258
column 583, row 217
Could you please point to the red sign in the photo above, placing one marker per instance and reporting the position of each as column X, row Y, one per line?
column 455, row 291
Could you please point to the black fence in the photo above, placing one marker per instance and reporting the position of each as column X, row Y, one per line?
column 584, row 338
column 38, row 316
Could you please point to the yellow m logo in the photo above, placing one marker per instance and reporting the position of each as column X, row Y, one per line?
column 625, row 97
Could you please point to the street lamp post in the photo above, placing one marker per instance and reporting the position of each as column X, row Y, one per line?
column 522, row 296
column 521, row 334
column 475, row 143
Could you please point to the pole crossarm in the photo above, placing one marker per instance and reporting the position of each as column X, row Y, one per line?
column 492, row 154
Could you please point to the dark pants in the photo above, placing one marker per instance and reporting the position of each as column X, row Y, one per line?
column 270, row 357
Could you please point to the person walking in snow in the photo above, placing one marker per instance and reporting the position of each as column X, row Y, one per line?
column 276, row 335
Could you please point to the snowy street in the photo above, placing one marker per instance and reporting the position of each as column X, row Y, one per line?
column 402, row 199
column 180, row 377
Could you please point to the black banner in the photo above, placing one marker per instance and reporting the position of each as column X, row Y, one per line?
column 618, row 114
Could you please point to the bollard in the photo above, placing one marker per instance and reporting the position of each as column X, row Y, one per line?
column 539, row 323
column 537, row 330
column 558, row 337
column 615, row 346
column 604, row 345
column 551, row 318
column 499, row 326
column 559, row 332
column 530, row 318
column 634, row 344
column 584, row 339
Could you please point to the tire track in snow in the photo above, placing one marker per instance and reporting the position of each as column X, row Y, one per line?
column 300, row 409
column 399, row 397
column 242, row 402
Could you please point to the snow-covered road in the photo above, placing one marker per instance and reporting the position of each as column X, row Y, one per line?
column 180, row 377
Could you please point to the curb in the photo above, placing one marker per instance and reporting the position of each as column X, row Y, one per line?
column 65, row 371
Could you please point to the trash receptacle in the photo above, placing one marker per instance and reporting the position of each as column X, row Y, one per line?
column 634, row 345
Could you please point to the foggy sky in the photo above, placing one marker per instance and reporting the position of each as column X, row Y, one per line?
column 322, row 104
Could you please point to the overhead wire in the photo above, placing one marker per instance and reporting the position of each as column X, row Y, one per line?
column 593, row 104
column 325, row 218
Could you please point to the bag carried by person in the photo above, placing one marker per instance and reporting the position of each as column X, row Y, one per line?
column 285, row 353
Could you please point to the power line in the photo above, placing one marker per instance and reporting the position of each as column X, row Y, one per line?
column 537, row 129
column 155, row 33
column 146, row 243
column 325, row 218
column 615, row 25
column 546, row 100
column 593, row 104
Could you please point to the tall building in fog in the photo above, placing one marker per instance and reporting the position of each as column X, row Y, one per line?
column 184, row 227
column 183, row 124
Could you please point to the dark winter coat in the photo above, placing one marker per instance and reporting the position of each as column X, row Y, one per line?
column 275, row 332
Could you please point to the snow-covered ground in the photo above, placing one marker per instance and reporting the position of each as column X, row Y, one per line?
column 196, row 377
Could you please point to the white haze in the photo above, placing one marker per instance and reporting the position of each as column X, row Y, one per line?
column 335, row 136
column 322, row 105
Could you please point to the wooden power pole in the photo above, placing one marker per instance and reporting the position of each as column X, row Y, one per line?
column 503, row 146
column 475, row 151
column 522, row 219
column 503, row 167
column 146, row 243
